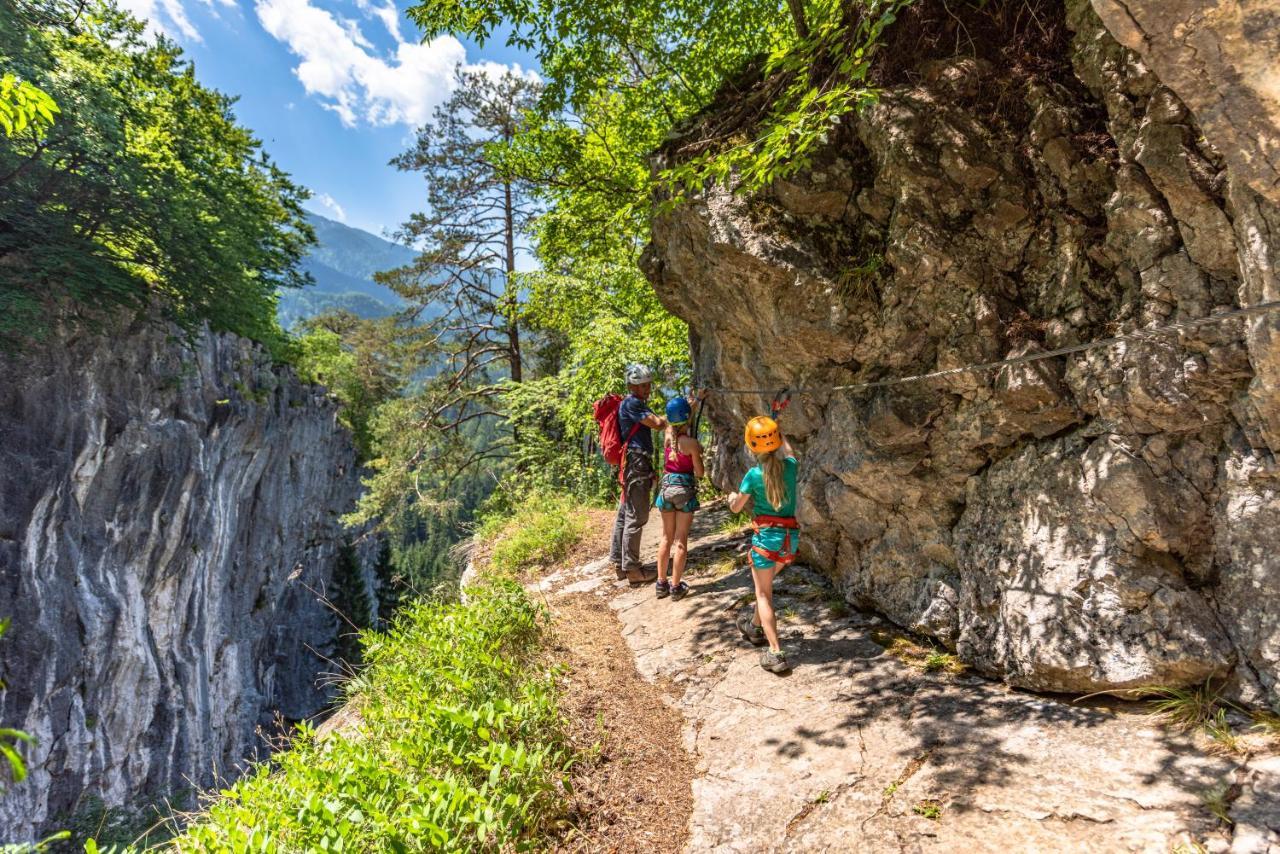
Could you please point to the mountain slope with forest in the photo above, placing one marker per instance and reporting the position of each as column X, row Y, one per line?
column 343, row 262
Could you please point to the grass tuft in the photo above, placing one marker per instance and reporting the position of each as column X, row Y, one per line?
column 1224, row 739
column 929, row 809
column 734, row 522
column 1185, row 709
column 535, row 538
column 1217, row 801
column 1197, row 709
column 1267, row 724
column 712, row 569
column 925, row 658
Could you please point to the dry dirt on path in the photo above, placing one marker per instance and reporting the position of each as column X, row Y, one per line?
column 631, row 794
column 857, row 751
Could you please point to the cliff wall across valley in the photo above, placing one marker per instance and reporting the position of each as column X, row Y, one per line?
column 169, row 519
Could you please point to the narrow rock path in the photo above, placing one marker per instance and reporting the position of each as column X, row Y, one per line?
column 859, row 750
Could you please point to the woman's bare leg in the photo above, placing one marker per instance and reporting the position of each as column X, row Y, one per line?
column 765, row 616
column 684, row 521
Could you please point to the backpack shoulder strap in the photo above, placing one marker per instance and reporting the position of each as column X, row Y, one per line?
column 635, row 428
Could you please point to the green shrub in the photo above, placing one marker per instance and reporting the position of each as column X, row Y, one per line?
column 10, row 741
column 459, row 746
column 537, row 535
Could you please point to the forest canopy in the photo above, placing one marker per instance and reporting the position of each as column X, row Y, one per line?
column 142, row 191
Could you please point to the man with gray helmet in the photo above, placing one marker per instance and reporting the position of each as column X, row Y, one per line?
column 635, row 423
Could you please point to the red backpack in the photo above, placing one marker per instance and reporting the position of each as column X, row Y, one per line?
column 606, row 415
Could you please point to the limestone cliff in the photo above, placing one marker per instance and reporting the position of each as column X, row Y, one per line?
column 168, row 519
column 1025, row 182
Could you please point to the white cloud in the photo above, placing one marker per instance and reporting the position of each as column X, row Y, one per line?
column 163, row 16
column 339, row 65
column 386, row 13
column 170, row 16
column 330, row 204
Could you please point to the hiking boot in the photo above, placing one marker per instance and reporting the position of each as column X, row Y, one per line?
column 617, row 570
column 662, row 589
column 680, row 591
column 753, row 633
column 636, row 577
column 774, row 662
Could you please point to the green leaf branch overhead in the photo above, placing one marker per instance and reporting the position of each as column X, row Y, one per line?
column 809, row 86
column 23, row 107
column 622, row 77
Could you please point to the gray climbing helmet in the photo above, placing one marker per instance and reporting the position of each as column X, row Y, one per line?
column 638, row 374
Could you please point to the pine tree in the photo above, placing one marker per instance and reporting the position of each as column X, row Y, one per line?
column 349, row 595
column 461, row 335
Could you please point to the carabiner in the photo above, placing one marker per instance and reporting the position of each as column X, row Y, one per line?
column 780, row 401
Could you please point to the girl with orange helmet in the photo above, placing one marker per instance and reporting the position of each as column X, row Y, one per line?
column 770, row 488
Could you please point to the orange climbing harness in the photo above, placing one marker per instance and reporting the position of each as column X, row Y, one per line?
column 789, row 523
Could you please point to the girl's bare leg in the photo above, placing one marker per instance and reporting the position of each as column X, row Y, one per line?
column 684, row 521
column 668, row 536
column 765, row 616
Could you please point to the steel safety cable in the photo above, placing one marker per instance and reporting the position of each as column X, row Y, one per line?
column 1135, row 336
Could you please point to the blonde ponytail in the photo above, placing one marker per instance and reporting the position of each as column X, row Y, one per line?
column 671, row 436
column 775, row 480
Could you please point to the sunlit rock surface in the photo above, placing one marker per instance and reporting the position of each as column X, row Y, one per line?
column 1090, row 522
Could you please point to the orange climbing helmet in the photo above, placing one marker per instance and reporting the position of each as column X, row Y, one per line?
column 763, row 435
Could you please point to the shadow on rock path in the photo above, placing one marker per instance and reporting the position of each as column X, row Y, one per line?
column 855, row 750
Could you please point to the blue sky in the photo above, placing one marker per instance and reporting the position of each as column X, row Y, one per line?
column 334, row 88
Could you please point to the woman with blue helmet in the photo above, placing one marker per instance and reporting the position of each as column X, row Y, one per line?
column 677, row 497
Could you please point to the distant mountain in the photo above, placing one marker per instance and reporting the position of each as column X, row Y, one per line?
column 343, row 263
column 354, row 252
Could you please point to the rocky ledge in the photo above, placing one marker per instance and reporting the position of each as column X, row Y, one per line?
column 1084, row 523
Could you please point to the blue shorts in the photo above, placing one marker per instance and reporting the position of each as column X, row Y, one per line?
column 773, row 540
column 665, row 507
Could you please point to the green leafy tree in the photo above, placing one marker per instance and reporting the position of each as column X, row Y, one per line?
column 144, row 193
column 356, row 360
column 349, row 596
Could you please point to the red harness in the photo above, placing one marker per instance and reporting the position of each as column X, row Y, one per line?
column 785, row 556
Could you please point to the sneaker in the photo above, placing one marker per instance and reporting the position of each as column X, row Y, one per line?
column 680, row 591
column 774, row 662
column 662, row 589
column 753, row 633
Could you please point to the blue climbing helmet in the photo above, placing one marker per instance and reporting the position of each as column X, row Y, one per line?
column 678, row 410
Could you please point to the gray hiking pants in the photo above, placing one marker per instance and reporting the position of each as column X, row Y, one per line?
column 633, row 511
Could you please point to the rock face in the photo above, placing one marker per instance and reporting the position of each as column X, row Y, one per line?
column 1220, row 59
column 168, row 519
column 1081, row 523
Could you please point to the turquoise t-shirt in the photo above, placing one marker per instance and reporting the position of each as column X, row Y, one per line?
column 753, row 485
